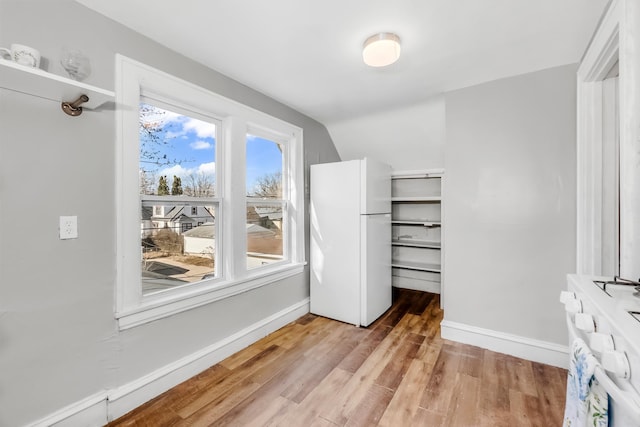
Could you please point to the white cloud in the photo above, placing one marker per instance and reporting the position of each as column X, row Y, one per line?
column 184, row 124
column 171, row 134
column 207, row 168
column 200, row 145
column 178, row 170
column 161, row 116
column 202, row 129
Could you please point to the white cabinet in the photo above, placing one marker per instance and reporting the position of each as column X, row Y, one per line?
column 416, row 220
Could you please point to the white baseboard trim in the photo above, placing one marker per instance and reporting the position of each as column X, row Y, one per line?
column 131, row 395
column 97, row 410
column 514, row 345
column 91, row 411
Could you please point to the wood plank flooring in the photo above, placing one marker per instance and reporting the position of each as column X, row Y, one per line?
column 397, row 372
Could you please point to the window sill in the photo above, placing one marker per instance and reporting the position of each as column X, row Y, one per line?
column 167, row 305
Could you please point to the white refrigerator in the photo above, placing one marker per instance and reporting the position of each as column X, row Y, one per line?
column 350, row 214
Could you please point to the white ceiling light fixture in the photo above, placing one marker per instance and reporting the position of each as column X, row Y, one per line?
column 381, row 49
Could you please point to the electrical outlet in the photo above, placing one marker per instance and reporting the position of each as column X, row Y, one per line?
column 68, row 227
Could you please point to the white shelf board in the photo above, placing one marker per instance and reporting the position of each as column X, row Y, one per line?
column 417, row 199
column 424, row 285
column 37, row 82
column 412, row 265
column 417, row 174
column 414, row 243
column 422, row 222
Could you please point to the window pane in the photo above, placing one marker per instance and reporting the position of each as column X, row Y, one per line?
column 264, row 235
column 265, row 225
column 177, row 183
column 264, row 168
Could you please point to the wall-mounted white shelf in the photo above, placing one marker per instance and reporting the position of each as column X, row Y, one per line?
column 420, row 222
column 431, row 173
column 37, row 82
column 417, row 199
column 414, row 243
column 419, row 266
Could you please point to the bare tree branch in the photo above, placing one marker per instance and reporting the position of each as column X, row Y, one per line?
column 268, row 186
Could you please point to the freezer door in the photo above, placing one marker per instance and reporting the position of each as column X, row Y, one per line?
column 376, row 187
column 375, row 267
column 335, row 241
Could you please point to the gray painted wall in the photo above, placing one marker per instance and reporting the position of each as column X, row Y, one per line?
column 59, row 341
column 509, row 203
column 407, row 138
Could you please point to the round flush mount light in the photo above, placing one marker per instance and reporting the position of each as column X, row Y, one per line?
column 381, row 49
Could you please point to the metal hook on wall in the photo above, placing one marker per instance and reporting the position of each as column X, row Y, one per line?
column 74, row 108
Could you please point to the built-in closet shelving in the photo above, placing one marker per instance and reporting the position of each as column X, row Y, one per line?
column 37, row 82
column 416, row 221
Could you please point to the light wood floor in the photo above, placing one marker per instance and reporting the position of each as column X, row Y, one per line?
column 398, row 372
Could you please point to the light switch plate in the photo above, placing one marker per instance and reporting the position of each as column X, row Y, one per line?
column 68, row 227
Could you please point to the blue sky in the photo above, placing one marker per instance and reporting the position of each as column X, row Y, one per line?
column 263, row 157
column 189, row 147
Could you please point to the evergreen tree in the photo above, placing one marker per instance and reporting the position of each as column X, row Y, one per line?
column 163, row 188
column 176, row 187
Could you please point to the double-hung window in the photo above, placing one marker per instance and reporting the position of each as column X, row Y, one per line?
column 177, row 158
column 209, row 196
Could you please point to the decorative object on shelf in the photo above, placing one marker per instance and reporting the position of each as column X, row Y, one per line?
column 73, row 108
column 21, row 54
column 75, row 63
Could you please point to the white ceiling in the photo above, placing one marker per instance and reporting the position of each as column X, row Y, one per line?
column 307, row 54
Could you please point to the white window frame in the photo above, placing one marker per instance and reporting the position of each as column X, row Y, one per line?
column 134, row 79
column 282, row 140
